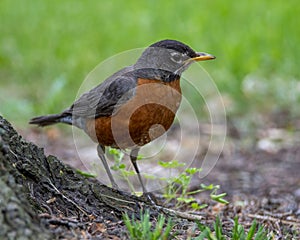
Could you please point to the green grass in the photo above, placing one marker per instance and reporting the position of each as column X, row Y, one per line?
column 256, row 232
column 48, row 47
column 143, row 229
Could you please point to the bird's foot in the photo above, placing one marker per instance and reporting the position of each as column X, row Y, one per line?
column 115, row 186
column 149, row 197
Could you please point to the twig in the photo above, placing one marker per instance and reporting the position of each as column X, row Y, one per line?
column 184, row 215
column 274, row 219
column 67, row 222
column 66, row 198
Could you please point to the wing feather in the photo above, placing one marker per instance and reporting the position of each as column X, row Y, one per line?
column 105, row 98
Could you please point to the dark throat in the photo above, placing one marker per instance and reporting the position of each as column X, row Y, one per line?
column 156, row 74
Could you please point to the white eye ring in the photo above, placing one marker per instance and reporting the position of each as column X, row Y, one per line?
column 176, row 57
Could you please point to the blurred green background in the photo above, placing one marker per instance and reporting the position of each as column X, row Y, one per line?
column 48, row 47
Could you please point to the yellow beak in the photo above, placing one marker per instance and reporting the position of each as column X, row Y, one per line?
column 201, row 56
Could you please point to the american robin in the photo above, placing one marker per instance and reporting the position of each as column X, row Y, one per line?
column 133, row 106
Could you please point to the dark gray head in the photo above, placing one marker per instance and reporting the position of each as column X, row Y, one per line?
column 171, row 56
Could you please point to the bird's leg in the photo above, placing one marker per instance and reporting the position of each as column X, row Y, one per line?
column 133, row 157
column 101, row 154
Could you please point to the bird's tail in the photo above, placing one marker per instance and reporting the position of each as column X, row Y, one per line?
column 51, row 119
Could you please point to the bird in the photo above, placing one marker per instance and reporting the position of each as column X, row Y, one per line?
column 133, row 106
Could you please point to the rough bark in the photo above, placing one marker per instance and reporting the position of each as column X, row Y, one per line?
column 42, row 198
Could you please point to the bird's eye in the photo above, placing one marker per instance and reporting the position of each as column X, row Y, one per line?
column 176, row 57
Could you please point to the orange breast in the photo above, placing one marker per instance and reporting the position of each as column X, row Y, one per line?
column 145, row 117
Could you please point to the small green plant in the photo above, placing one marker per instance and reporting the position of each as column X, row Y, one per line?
column 178, row 187
column 143, row 229
column 86, row 174
column 238, row 232
column 121, row 167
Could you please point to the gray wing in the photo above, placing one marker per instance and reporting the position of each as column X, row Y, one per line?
column 105, row 98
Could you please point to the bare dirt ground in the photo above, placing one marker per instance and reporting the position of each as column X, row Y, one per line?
column 262, row 181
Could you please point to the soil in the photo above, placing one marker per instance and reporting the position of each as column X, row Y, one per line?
column 262, row 182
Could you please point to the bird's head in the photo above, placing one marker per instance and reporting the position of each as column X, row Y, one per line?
column 171, row 56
